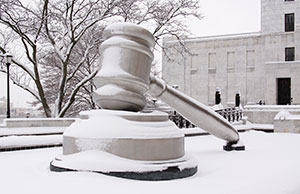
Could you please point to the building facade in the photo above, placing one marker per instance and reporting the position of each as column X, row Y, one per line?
column 263, row 66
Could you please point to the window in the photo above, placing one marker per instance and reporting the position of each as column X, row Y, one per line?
column 212, row 60
column 289, row 22
column 230, row 60
column 250, row 61
column 290, row 54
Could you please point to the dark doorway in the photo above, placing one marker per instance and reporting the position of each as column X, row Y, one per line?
column 283, row 91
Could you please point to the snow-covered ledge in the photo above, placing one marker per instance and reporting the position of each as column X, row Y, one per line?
column 265, row 114
column 284, row 121
column 280, row 63
column 273, row 107
column 38, row 122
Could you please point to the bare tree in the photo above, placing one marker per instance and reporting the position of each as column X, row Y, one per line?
column 83, row 62
column 53, row 27
column 162, row 17
column 54, row 36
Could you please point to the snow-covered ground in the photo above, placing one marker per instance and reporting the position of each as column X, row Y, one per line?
column 270, row 164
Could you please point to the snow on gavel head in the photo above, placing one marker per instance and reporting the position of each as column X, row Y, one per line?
column 126, row 57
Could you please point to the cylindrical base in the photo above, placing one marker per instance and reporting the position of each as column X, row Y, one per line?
column 141, row 146
column 137, row 136
column 136, row 149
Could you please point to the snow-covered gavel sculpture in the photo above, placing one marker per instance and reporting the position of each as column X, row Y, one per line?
column 119, row 140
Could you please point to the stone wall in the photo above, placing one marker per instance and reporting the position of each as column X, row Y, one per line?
column 38, row 122
column 249, row 63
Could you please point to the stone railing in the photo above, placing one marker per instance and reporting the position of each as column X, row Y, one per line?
column 180, row 121
column 230, row 114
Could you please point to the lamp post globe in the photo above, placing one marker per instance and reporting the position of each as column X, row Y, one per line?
column 7, row 58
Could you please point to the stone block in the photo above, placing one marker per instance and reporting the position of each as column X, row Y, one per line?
column 286, row 122
column 265, row 114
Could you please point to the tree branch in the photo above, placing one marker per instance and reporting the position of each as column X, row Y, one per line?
column 74, row 92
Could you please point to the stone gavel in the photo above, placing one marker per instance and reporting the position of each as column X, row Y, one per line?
column 124, row 78
column 121, row 142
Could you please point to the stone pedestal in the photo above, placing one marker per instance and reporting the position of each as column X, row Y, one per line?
column 148, row 140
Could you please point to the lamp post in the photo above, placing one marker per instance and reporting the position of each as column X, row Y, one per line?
column 7, row 58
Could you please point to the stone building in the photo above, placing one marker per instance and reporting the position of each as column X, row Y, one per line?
column 262, row 66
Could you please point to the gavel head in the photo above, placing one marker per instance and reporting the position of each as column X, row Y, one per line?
column 126, row 57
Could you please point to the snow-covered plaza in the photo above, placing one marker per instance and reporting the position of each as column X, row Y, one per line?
column 117, row 125
column 270, row 164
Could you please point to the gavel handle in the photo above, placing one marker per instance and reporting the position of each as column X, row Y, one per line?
column 196, row 112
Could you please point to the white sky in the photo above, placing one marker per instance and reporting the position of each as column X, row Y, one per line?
column 227, row 17
column 220, row 17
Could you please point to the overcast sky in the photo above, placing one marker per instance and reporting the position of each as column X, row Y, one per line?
column 220, row 17
column 227, row 17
